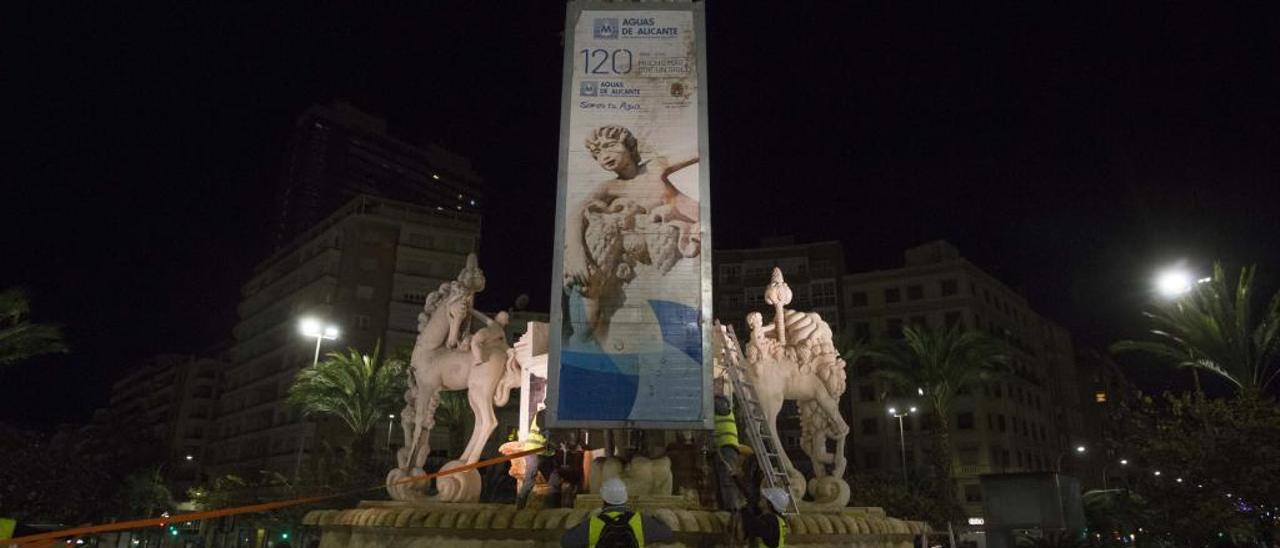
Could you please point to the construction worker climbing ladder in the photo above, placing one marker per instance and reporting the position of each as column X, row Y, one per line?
column 727, row 455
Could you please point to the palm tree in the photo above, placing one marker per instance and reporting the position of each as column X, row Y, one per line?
column 942, row 363
column 19, row 338
column 357, row 389
column 1212, row 328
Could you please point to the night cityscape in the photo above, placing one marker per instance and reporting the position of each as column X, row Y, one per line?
column 807, row 274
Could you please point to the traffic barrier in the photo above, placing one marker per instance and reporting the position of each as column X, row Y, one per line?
column 50, row 537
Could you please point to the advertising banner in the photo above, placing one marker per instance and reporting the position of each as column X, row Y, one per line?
column 631, row 298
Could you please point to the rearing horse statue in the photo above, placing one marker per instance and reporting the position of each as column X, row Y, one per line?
column 442, row 359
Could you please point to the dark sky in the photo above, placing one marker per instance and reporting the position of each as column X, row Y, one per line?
column 1067, row 150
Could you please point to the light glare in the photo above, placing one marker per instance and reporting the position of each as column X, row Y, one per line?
column 1172, row 283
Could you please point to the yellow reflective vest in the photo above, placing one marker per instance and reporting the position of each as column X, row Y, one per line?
column 597, row 527
column 726, row 430
column 537, row 440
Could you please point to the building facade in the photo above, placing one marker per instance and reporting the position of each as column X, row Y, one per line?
column 173, row 396
column 337, row 152
column 813, row 272
column 1027, row 422
column 366, row 269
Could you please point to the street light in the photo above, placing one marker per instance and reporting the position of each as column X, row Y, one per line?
column 313, row 327
column 390, row 420
column 1173, row 282
column 1080, row 449
column 902, row 439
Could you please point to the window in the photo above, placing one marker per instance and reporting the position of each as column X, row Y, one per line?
column 866, row 392
column 995, row 391
column 1100, row 396
column 362, row 321
column 952, row 319
column 915, row 292
column 964, row 421
column 730, row 273
column 823, row 293
column 870, row 427
column 858, row 299
column 919, row 322
column 986, row 296
column 1000, row 424
column 892, row 295
column 417, row 298
column 948, row 288
column 972, row 493
column 364, row 292
column 368, row 264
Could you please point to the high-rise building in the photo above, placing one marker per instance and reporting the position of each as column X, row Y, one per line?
column 1027, row 422
column 367, row 269
column 337, row 152
column 173, row 396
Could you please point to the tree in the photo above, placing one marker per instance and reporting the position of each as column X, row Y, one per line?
column 20, row 339
column 942, row 363
column 1226, row 451
column 358, row 390
column 1212, row 328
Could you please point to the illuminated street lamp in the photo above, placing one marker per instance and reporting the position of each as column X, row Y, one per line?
column 1173, row 282
column 902, row 438
column 1080, row 450
column 313, row 327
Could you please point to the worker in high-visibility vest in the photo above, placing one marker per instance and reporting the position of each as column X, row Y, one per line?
column 764, row 523
column 616, row 525
column 726, row 465
column 543, row 461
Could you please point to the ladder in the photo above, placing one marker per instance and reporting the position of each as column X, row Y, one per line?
column 758, row 433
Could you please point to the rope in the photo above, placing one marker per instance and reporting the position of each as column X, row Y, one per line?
column 247, row 509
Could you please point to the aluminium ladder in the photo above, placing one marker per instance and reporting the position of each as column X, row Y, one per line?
column 758, row 434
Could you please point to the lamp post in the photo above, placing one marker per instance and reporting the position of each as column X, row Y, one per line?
column 390, row 421
column 1105, row 467
column 312, row 327
column 1079, row 449
column 902, row 440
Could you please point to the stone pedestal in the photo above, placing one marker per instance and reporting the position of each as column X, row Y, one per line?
column 436, row 525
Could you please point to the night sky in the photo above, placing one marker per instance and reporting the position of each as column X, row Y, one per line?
column 1070, row 151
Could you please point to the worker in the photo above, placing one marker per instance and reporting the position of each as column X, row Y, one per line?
column 764, row 522
column 616, row 526
column 542, row 461
column 727, row 456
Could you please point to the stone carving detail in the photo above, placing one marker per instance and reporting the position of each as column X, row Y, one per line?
column 443, row 359
column 794, row 358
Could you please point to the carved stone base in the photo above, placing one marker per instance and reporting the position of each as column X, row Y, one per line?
column 459, row 487
column 434, row 525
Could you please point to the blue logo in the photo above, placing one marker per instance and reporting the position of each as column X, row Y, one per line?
column 588, row 89
column 605, row 28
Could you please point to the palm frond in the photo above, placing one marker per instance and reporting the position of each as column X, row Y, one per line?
column 357, row 389
column 1212, row 328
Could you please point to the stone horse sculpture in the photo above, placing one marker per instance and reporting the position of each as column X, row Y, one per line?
column 794, row 358
column 442, row 359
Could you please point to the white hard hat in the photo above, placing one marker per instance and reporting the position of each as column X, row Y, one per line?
column 613, row 491
column 541, row 406
column 777, row 497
